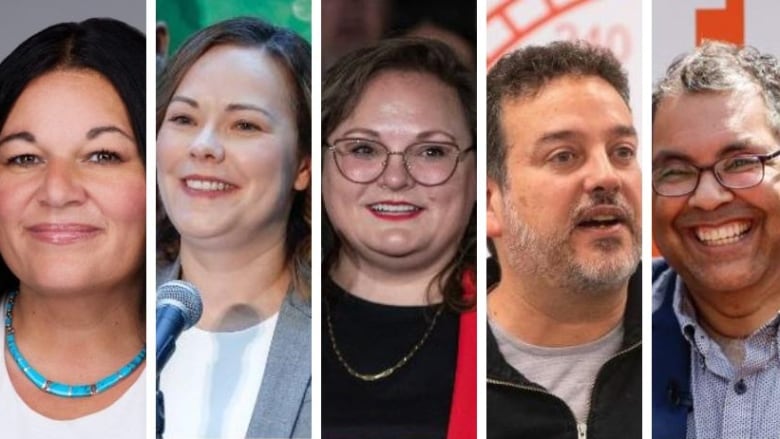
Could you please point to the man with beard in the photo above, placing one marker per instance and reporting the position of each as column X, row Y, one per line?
column 716, row 220
column 563, row 218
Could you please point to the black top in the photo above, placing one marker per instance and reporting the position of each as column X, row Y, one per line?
column 413, row 402
column 519, row 408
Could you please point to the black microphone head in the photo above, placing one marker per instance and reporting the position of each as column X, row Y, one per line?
column 184, row 296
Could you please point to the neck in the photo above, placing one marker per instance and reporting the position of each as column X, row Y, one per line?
column 400, row 285
column 240, row 287
column 98, row 323
column 737, row 314
column 544, row 314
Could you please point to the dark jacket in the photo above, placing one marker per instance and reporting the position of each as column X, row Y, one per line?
column 672, row 397
column 519, row 408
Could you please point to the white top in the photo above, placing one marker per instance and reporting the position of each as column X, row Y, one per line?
column 124, row 419
column 212, row 381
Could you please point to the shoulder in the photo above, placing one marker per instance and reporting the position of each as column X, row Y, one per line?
column 294, row 322
column 295, row 304
column 664, row 281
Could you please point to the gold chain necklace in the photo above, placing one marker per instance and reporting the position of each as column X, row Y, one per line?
column 384, row 373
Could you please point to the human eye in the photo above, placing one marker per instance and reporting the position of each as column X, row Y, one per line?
column 246, row 126
column 624, row 153
column 104, row 156
column 434, row 151
column 671, row 172
column 24, row 160
column 363, row 149
column 181, row 119
column 742, row 163
column 562, row 158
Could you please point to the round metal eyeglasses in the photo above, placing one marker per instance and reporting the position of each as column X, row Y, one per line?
column 428, row 163
column 676, row 178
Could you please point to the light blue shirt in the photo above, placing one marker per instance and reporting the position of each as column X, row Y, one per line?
column 731, row 401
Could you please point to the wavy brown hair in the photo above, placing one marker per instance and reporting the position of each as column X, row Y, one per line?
column 342, row 88
column 293, row 53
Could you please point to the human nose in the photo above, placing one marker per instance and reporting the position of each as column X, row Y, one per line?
column 61, row 186
column 709, row 193
column 395, row 175
column 207, row 146
column 601, row 175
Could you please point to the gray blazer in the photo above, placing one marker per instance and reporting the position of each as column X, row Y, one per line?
column 283, row 406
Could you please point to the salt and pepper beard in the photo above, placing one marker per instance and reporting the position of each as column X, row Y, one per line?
column 552, row 256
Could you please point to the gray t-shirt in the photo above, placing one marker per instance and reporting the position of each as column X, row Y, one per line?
column 568, row 372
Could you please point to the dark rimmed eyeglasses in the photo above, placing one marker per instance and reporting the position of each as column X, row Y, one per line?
column 364, row 161
column 676, row 178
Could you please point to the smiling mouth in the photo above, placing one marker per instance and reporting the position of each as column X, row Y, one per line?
column 394, row 211
column 208, row 185
column 62, row 234
column 724, row 234
column 386, row 208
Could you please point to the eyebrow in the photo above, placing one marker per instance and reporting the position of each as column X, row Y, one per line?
column 93, row 133
column 615, row 131
column 361, row 131
column 673, row 154
column 191, row 102
column 231, row 107
column 425, row 135
column 556, row 136
column 250, row 107
column 22, row 135
column 623, row 131
column 97, row 131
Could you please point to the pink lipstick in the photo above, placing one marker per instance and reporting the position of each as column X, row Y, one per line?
column 63, row 233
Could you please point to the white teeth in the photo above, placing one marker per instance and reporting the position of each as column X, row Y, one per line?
column 604, row 218
column 206, row 185
column 394, row 208
column 722, row 235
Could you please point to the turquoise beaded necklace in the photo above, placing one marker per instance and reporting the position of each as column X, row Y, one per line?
column 53, row 387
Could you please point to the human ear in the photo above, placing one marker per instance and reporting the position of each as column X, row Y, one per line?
column 303, row 175
column 494, row 204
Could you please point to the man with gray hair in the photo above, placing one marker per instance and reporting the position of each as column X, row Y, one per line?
column 716, row 220
column 563, row 220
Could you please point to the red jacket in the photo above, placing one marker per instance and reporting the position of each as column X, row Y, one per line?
column 463, row 414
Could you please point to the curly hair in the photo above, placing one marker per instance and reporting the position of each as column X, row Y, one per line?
column 342, row 88
column 525, row 72
column 717, row 66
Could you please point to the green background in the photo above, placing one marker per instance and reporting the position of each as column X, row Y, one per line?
column 184, row 17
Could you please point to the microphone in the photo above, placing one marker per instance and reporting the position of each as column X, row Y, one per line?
column 178, row 308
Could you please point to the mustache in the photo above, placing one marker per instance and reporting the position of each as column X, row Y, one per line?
column 733, row 210
column 604, row 203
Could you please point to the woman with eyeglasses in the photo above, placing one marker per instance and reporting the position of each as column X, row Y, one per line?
column 399, row 191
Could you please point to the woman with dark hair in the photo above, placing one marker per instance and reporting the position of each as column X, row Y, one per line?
column 399, row 190
column 233, row 166
column 72, row 233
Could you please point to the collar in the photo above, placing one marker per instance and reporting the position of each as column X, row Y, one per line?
column 632, row 324
column 761, row 347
